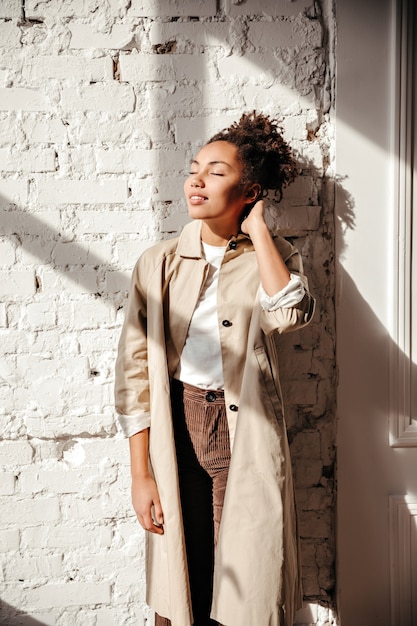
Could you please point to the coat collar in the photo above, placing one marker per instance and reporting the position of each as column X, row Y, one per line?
column 189, row 241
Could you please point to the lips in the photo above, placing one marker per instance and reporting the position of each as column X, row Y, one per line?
column 197, row 199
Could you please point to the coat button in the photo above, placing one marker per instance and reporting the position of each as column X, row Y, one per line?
column 210, row 396
column 226, row 323
column 233, row 407
column 233, row 245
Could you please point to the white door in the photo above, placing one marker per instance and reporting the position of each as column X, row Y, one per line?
column 377, row 312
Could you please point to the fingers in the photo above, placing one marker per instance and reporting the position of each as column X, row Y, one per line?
column 147, row 505
column 159, row 516
column 148, row 523
column 253, row 218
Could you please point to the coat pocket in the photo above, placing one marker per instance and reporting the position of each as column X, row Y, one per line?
column 270, row 386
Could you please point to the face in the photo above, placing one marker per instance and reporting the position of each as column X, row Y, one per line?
column 213, row 189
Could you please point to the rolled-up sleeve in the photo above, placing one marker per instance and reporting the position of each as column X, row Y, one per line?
column 132, row 424
column 294, row 306
column 291, row 295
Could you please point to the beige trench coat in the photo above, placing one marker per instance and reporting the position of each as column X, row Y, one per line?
column 256, row 578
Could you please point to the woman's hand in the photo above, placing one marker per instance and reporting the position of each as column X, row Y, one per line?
column 255, row 219
column 147, row 505
column 145, row 496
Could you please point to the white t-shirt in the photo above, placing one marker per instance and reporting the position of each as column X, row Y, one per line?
column 201, row 362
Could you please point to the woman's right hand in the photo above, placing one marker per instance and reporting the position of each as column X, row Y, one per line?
column 147, row 505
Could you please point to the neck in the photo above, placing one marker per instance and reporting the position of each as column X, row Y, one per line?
column 218, row 235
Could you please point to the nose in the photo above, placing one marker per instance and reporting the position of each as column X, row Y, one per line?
column 196, row 181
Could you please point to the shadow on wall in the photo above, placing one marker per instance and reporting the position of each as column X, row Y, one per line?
column 11, row 616
column 38, row 239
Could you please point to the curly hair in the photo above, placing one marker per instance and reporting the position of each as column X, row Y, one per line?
column 265, row 156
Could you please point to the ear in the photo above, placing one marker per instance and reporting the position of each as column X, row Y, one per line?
column 252, row 193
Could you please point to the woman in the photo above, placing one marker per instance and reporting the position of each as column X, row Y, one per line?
column 197, row 392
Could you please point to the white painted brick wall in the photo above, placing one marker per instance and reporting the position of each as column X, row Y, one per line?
column 101, row 107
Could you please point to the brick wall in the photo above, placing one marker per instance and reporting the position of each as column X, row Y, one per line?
column 102, row 104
